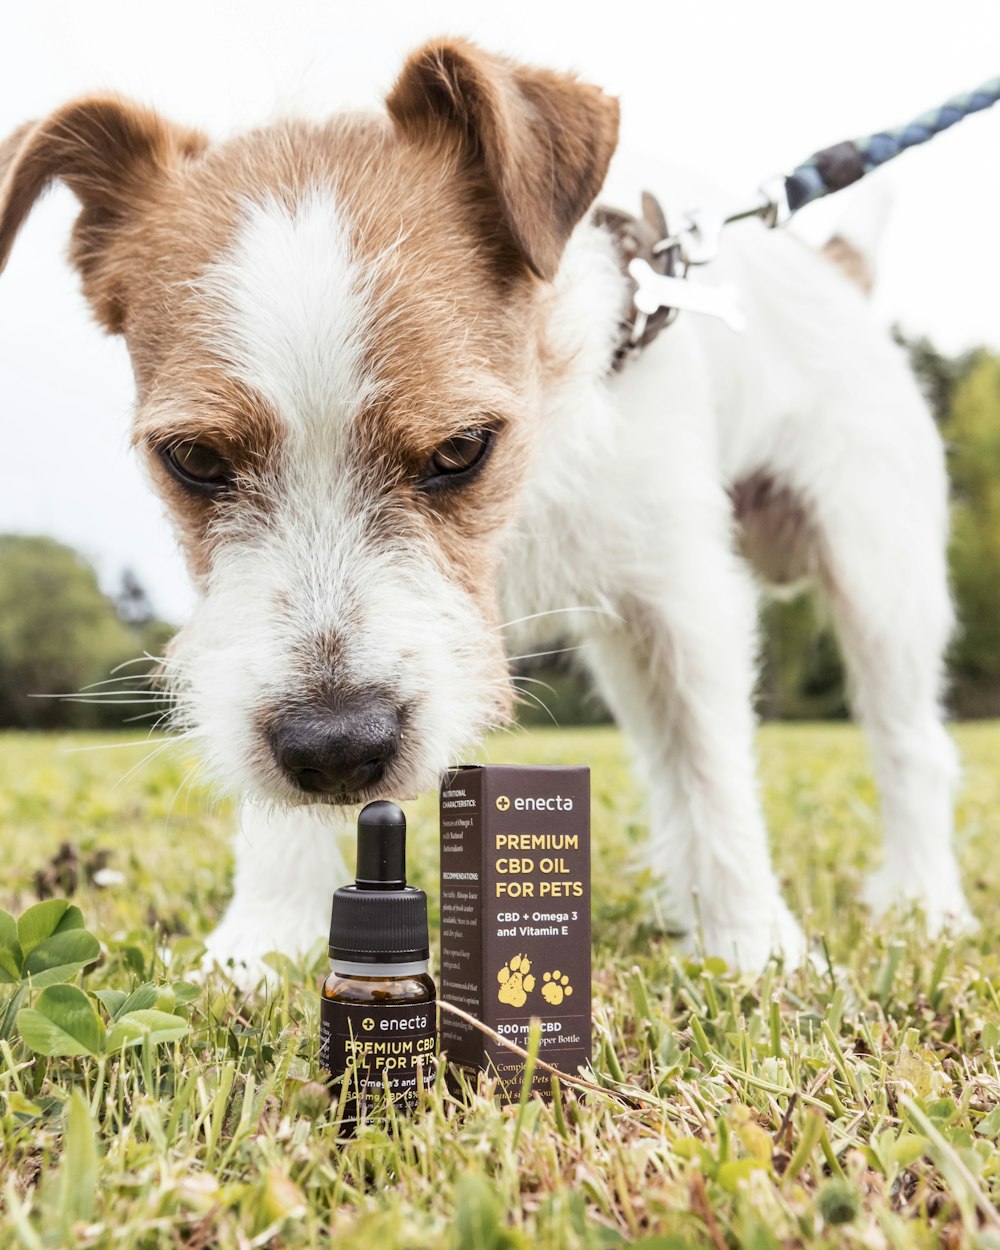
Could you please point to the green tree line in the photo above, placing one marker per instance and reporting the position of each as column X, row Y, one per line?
column 59, row 633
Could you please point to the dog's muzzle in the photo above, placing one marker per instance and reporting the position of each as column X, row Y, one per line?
column 340, row 750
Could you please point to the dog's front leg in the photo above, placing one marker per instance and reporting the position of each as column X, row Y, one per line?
column 679, row 675
column 288, row 863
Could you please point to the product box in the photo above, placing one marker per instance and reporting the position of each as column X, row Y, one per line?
column 515, row 916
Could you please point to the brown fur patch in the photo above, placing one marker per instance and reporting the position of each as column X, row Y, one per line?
column 110, row 153
column 850, row 261
column 543, row 139
column 459, row 351
column 208, row 407
column 10, row 147
column 777, row 534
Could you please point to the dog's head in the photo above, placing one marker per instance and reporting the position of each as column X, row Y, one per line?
column 337, row 343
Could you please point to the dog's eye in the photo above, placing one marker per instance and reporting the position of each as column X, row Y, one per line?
column 198, row 466
column 458, row 456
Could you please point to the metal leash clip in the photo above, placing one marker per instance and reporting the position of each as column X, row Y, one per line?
column 697, row 243
column 656, row 290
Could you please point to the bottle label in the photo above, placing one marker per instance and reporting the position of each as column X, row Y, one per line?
column 376, row 1049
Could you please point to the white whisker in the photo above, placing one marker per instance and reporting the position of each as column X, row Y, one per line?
column 535, row 681
column 153, row 659
column 143, row 697
column 148, row 759
column 114, row 681
column 555, row 612
column 527, row 694
column 137, row 742
column 534, row 655
column 190, row 777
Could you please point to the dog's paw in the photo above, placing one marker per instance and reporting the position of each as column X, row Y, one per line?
column 747, row 945
column 938, row 896
column 240, row 945
column 249, row 974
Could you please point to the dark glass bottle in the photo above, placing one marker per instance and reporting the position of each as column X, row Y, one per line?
column 378, row 1019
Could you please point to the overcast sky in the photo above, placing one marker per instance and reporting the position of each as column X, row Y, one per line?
column 741, row 90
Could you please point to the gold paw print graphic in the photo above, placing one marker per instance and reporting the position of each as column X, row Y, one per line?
column 555, row 987
column 516, row 981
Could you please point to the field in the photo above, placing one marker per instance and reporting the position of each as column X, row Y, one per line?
column 855, row 1103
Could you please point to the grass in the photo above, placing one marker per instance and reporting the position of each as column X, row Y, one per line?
column 855, row 1107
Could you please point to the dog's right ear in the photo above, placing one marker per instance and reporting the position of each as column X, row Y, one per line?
column 110, row 153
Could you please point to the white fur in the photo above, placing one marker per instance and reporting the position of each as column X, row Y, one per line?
column 288, row 310
column 626, row 520
column 817, row 395
column 307, row 594
column 294, row 851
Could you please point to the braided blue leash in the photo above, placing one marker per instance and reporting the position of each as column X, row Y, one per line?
column 697, row 240
column 837, row 167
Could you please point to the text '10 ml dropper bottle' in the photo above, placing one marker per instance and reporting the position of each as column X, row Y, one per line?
column 378, row 1024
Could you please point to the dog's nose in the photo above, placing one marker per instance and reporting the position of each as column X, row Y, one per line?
column 337, row 751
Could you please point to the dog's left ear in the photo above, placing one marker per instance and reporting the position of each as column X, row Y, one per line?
column 543, row 140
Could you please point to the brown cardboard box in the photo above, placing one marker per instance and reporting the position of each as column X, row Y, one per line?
column 515, row 915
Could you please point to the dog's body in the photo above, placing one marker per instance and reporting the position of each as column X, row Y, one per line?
column 395, row 341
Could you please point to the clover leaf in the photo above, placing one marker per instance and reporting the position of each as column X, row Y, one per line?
column 62, row 1022
column 47, row 945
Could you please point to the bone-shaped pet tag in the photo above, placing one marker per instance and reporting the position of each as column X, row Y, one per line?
column 658, row 290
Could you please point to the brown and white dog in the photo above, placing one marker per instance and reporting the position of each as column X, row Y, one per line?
column 371, row 360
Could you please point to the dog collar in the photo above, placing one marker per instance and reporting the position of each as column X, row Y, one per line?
column 657, row 264
column 640, row 239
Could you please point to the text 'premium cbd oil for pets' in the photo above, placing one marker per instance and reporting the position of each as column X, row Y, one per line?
column 515, row 916
column 378, row 1026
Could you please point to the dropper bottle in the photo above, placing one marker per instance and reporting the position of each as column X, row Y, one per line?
column 378, row 1022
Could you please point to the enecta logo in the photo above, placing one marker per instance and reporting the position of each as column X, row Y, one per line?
column 535, row 803
column 367, row 1024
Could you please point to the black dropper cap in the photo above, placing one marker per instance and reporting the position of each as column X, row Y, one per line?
column 380, row 919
